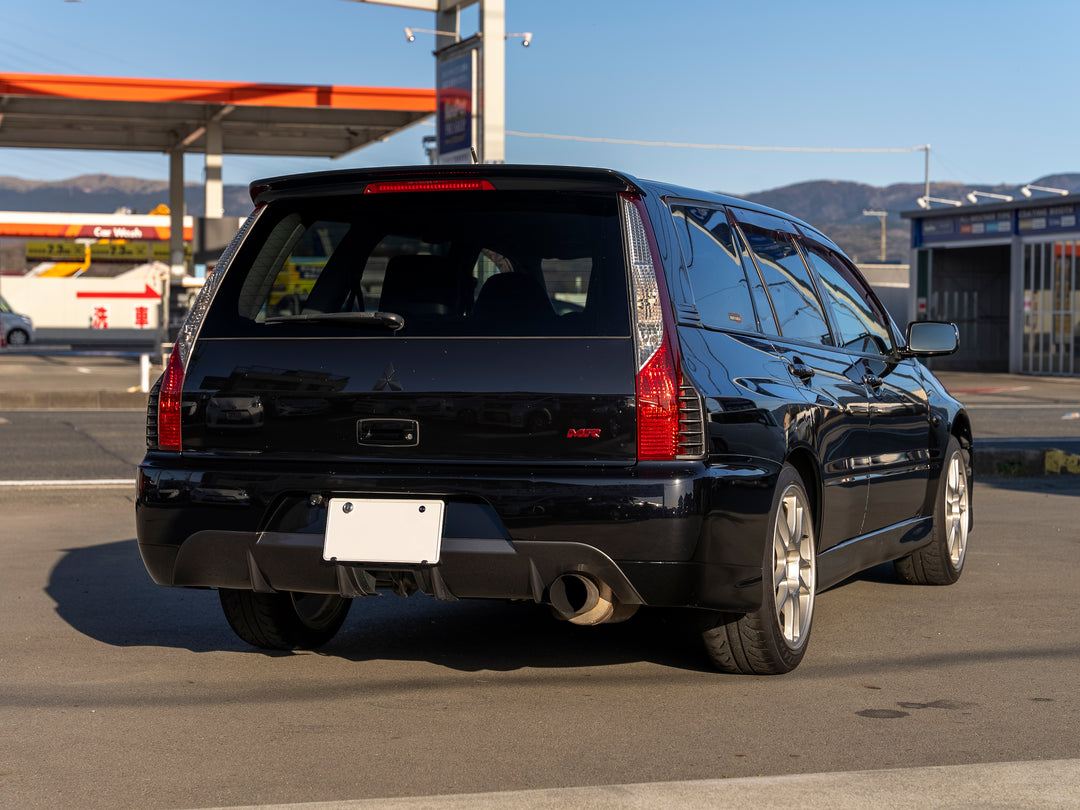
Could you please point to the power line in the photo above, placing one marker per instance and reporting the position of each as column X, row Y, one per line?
column 675, row 144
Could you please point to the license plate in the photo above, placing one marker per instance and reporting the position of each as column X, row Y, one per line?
column 384, row 530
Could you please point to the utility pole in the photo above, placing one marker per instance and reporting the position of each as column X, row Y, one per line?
column 489, row 99
column 880, row 215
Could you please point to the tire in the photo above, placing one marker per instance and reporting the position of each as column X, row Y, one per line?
column 284, row 621
column 773, row 639
column 17, row 337
column 941, row 561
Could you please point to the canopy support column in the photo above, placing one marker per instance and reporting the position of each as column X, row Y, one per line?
column 215, row 198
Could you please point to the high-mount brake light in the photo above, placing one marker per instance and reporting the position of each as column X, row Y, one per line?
column 658, row 375
column 396, row 186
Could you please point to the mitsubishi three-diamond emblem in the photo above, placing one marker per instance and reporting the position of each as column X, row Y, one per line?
column 387, row 380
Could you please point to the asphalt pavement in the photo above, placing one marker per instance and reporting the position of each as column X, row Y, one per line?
column 1023, row 425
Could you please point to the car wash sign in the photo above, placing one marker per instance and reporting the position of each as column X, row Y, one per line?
column 455, row 78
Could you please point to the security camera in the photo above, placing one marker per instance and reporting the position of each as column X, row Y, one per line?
column 409, row 35
column 525, row 42
column 972, row 198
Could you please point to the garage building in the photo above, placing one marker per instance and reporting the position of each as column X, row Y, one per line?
column 1006, row 274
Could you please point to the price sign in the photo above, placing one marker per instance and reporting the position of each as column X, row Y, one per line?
column 55, row 251
column 119, row 252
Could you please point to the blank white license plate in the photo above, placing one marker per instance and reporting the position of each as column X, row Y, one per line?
column 384, row 530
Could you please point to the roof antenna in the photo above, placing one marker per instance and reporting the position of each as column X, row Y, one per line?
column 475, row 159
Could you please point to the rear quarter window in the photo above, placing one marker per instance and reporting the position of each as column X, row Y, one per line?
column 717, row 277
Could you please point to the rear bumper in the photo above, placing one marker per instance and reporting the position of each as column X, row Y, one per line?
column 673, row 535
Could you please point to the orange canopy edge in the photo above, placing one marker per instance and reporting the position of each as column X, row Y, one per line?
column 108, row 88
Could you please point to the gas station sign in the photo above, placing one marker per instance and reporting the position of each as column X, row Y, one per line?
column 455, row 79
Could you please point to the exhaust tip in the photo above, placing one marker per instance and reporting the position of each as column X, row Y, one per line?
column 580, row 599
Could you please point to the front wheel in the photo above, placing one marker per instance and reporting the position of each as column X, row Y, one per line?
column 284, row 621
column 772, row 639
column 941, row 561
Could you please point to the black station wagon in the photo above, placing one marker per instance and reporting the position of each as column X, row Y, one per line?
column 552, row 384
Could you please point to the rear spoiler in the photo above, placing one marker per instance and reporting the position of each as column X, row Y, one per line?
column 501, row 176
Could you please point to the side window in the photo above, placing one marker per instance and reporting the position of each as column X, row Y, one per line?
column 858, row 321
column 721, row 289
column 794, row 299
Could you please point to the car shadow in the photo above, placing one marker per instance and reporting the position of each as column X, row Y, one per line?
column 105, row 593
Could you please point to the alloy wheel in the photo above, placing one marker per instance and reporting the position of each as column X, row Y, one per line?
column 794, row 567
column 956, row 510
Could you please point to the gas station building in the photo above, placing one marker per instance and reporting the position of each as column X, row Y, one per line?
column 1006, row 273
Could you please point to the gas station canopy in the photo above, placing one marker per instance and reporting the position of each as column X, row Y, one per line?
column 168, row 115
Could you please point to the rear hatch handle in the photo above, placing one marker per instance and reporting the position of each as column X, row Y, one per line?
column 388, row 432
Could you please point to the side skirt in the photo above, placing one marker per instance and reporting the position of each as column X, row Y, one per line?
column 852, row 556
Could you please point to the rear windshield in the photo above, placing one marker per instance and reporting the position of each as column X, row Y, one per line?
column 472, row 264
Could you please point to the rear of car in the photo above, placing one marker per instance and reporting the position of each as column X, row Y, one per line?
column 481, row 364
column 549, row 384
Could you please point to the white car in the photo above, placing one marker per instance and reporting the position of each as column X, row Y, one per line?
column 18, row 329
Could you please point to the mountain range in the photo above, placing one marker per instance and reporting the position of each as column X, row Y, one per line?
column 834, row 206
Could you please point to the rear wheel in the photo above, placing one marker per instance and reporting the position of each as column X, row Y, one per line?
column 772, row 639
column 17, row 337
column 284, row 621
column 942, row 560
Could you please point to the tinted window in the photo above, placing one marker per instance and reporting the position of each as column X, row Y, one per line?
column 854, row 315
column 791, row 291
column 470, row 264
column 721, row 289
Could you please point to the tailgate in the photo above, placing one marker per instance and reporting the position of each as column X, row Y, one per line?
column 480, row 325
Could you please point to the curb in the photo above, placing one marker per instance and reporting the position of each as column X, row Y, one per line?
column 998, row 461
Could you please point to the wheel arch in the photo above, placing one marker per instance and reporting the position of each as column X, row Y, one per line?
column 961, row 429
column 806, row 465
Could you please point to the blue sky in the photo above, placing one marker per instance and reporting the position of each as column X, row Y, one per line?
column 990, row 85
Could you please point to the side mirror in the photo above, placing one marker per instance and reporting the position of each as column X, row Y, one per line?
column 930, row 338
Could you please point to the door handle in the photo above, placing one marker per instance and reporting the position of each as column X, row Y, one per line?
column 801, row 370
column 873, row 381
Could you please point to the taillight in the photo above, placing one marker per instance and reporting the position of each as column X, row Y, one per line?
column 665, row 430
column 396, row 186
column 658, row 408
column 168, row 412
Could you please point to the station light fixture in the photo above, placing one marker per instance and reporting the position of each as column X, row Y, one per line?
column 1026, row 190
column 924, row 202
column 410, row 33
column 973, row 196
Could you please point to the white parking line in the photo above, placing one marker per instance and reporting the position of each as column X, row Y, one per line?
column 72, row 482
column 1036, row 785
